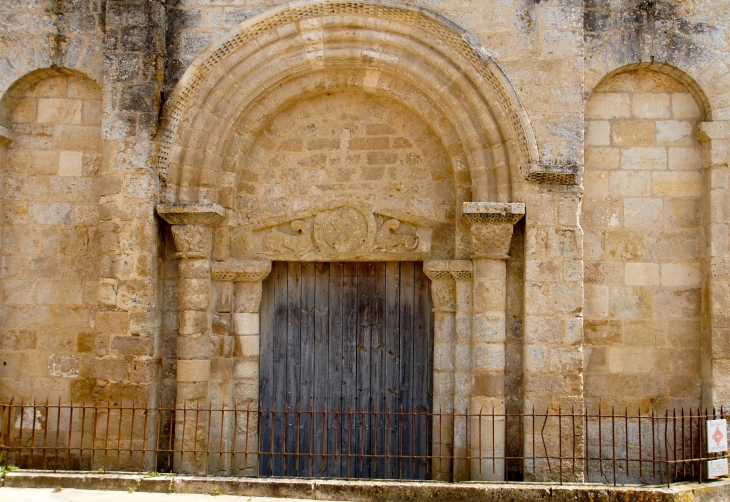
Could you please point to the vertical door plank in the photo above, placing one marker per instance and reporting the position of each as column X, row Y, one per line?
column 293, row 358
column 378, row 390
column 279, row 363
column 306, row 395
column 321, row 362
column 407, row 304
column 423, row 367
column 364, row 344
column 349, row 362
column 392, row 366
column 334, row 387
column 266, row 370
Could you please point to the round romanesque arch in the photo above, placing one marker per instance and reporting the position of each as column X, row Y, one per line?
column 307, row 49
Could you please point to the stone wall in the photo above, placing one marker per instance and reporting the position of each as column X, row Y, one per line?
column 352, row 146
column 51, row 242
column 387, row 108
column 641, row 214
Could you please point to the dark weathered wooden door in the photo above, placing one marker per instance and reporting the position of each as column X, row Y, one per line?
column 354, row 340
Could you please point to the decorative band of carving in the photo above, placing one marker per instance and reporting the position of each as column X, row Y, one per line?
column 461, row 275
column 240, row 271
column 438, row 275
column 454, row 270
column 493, row 212
column 552, row 174
column 178, row 213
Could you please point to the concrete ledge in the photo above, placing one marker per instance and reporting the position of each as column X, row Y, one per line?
column 716, row 491
column 83, row 481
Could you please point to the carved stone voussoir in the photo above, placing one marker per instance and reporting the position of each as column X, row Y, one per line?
column 240, row 270
column 490, row 227
column 191, row 214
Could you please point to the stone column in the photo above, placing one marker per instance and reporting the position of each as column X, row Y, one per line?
column 490, row 231
column 193, row 234
column 443, row 296
column 245, row 277
column 715, row 256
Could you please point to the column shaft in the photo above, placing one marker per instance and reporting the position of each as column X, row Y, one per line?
column 488, row 366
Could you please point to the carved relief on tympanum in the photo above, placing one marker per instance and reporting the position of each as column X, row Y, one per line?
column 391, row 237
column 343, row 230
column 298, row 239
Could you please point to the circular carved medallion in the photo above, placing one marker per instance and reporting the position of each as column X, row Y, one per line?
column 343, row 230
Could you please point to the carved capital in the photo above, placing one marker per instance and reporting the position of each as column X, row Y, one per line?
column 240, row 270
column 490, row 227
column 179, row 213
column 192, row 241
column 443, row 274
column 455, row 270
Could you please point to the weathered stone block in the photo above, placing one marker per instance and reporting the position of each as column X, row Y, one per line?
column 647, row 158
column 194, row 322
column 608, row 106
column 633, row 133
column 246, row 323
column 193, row 370
column 247, row 346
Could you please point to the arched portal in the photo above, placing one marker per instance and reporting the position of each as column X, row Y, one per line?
column 387, row 48
column 340, row 132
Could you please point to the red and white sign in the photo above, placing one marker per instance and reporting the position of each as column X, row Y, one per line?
column 716, row 436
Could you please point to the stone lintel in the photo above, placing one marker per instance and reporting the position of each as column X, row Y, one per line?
column 6, row 136
column 706, row 131
column 182, row 213
column 556, row 174
column 490, row 227
column 240, row 270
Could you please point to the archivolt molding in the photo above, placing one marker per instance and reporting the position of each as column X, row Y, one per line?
column 247, row 68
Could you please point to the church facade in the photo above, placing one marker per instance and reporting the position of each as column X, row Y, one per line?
column 437, row 204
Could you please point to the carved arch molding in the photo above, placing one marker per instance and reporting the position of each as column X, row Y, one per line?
column 410, row 54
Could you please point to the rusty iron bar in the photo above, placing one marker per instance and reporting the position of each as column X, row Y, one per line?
column 560, row 442
column 679, row 460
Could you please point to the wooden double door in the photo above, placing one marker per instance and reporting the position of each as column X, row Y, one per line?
column 346, row 370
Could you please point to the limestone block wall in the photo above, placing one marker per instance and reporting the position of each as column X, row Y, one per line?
column 347, row 145
column 643, row 238
column 50, row 244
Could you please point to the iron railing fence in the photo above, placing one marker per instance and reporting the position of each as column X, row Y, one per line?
column 234, row 440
